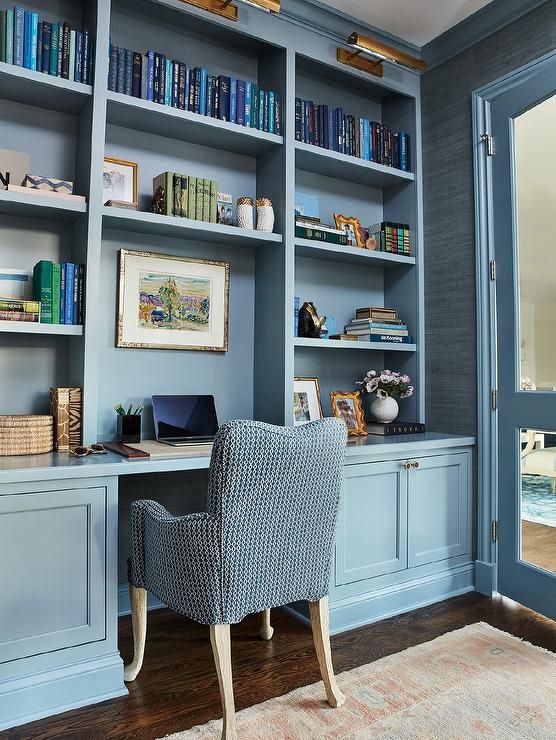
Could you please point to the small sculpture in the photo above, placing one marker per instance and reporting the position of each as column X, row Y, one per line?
column 158, row 204
column 265, row 215
column 309, row 323
column 244, row 213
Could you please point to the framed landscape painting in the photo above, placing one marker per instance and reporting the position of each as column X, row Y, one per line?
column 168, row 302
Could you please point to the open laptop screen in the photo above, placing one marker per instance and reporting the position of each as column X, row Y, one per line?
column 183, row 417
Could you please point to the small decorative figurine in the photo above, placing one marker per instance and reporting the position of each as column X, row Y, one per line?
column 265, row 215
column 245, row 213
column 310, row 323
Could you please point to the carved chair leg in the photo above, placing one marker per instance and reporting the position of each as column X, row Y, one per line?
column 266, row 629
column 321, row 637
column 138, row 599
column 221, row 649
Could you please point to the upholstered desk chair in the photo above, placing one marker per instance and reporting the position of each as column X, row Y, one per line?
column 265, row 541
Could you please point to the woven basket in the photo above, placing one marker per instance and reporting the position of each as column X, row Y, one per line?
column 26, row 435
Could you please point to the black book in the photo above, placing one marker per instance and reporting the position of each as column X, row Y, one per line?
column 396, row 427
column 182, row 72
column 136, row 75
column 65, row 50
column 175, row 102
column 86, row 65
column 120, row 72
column 192, row 85
column 298, row 119
column 278, row 115
column 80, row 293
column 112, row 68
column 156, row 79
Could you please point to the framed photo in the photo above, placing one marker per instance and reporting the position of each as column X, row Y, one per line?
column 168, row 302
column 352, row 227
column 306, row 401
column 347, row 406
column 119, row 180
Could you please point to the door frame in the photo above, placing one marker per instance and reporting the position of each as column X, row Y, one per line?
column 486, row 564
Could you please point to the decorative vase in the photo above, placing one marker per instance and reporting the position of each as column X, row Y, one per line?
column 129, row 428
column 245, row 213
column 265, row 215
column 385, row 410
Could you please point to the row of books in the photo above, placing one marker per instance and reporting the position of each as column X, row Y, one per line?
column 60, row 289
column 376, row 324
column 185, row 196
column 331, row 128
column 391, row 237
column 152, row 76
column 15, row 309
column 53, row 48
column 307, row 227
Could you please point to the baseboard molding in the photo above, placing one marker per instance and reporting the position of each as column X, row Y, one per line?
column 357, row 611
column 485, row 578
column 124, row 607
column 59, row 690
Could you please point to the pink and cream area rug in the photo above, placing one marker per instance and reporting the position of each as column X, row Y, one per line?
column 476, row 682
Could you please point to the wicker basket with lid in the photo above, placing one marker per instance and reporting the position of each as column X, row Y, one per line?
column 26, row 434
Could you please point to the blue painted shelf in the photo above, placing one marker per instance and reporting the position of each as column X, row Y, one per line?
column 353, row 255
column 324, row 344
column 34, row 205
column 45, row 91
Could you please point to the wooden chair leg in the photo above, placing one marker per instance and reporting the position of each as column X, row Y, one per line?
column 221, row 649
column 321, row 637
column 266, row 628
column 138, row 599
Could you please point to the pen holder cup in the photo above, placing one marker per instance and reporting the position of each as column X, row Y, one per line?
column 129, row 428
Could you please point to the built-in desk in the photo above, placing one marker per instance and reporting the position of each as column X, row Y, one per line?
column 404, row 539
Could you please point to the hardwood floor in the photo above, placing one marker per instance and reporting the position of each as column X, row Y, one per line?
column 177, row 687
column 539, row 545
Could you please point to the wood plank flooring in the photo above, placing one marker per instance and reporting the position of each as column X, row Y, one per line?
column 539, row 545
column 177, row 687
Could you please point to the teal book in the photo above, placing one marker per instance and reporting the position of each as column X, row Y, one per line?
column 9, row 36
column 192, row 200
column 54, row 41
column 55, row 293
column 42, row 289
column 34, row 42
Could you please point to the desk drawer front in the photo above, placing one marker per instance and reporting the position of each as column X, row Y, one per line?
column 53, row 551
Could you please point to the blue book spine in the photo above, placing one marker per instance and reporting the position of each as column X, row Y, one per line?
column 19, row 27
column 120, row 75
column 240, row 103
column 46, row 40
column 385, row 338
column 296, row 304
column 403, row 151
column 75, row 296
column 79, row 61
column 366, row 139
column 271, row 112
column 70, row 278
column 203, row 92
column 128, row 74
column 34, row 40
column 261, row 109
column 10, row 36
column 150, row 75
column 27, row 39
column 233, row 99
column 223, row 111
column 168, row 83
column 188, row 72
column 39, row 47
column 112, row 65
column 175, row 84
column 248, row 103
column 63, row 293
column 330, row 129
column 210, row 96
column 161, row 79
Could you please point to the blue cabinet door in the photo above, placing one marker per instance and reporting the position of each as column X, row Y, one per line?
column 372, row 527
column 438, row 508
column 53, row 555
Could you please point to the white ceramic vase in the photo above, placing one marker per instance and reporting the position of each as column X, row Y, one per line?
column 244, row 213
column 385, row 410
column 265, row 215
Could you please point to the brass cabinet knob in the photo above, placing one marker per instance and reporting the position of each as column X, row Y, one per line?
column 415, row 464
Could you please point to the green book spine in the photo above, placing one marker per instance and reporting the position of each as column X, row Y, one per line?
column 55, row 38
column 42, row 289
column 206, row 200
column 169, row 193
column 192, row 200
column 321, row 236
column 199, row 195
column 213, row 198
column 184, row 196
column 2, row 35
column 55, row 293
column 177, row 195
column 9, row 36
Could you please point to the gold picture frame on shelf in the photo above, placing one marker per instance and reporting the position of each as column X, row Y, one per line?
column 352, row 228
column 120, row 181
column 346, row 405
column 171, row 302
column 307, row 404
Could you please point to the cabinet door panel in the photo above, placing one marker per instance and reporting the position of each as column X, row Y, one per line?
column 372, row 527
column 52, row 546
column 438, row 509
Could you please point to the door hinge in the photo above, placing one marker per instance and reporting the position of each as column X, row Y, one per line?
column 494, row 399
column 494, row 530
column 493, row 269
column 489, row 141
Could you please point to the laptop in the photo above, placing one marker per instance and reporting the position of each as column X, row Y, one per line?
column 184, row 420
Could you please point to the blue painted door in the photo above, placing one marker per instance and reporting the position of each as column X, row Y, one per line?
column 372, row 526
column 523, row 121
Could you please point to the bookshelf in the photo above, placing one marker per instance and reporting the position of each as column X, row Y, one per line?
column 21, row 327
column 69, row 127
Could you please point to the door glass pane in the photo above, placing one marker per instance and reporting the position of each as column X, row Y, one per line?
column 538, row 498
column 535, row 193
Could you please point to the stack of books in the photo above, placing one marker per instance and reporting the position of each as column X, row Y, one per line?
column 60, row 290
column 56, row 49
column 184, row 196
column 309, row 227
column 332, row 129
column 153, row 77
column 391, row 237
column 12, row 309
column 378, row 325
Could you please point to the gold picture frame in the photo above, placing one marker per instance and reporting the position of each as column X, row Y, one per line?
column 172, row 302
column 353, row 225
column 307, row 405
column 346, row 405
column 117, row 190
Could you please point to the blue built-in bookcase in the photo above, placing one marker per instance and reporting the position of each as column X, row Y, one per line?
column 69, row 127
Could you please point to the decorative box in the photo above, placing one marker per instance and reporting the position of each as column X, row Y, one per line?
column 14, row 166
column 121, row 204
column 36, row 182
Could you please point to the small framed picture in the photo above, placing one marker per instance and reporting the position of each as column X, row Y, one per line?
column 347, row 406
column 352, row 228
column 306, row 401
column 119, row 180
